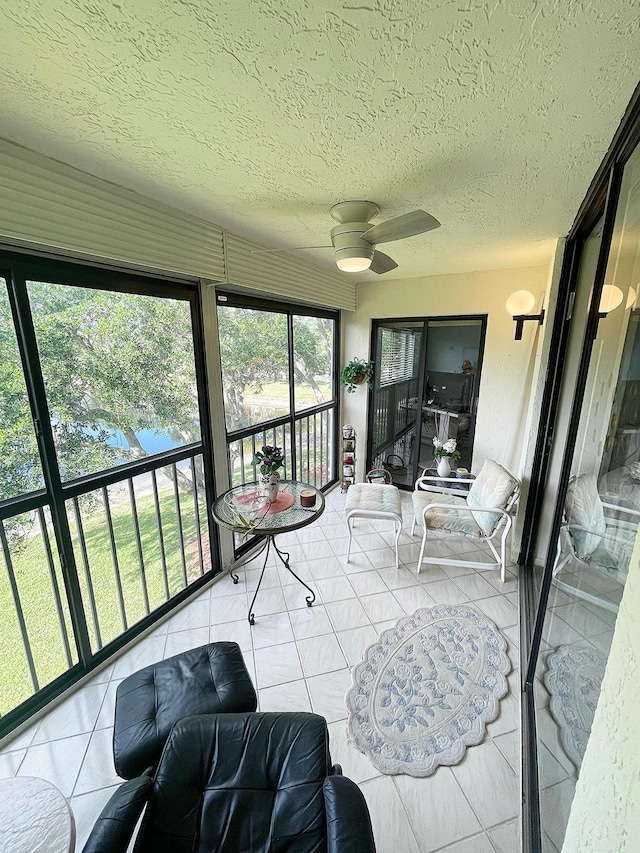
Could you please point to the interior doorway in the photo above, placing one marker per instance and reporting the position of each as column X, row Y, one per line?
column 426, row 384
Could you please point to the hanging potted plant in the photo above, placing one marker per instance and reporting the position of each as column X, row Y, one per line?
column 355, row 373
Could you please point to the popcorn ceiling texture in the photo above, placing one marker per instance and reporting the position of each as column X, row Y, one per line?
column 260, row 114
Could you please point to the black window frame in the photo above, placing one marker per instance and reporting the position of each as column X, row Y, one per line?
column 16, row 269
column 230, row 299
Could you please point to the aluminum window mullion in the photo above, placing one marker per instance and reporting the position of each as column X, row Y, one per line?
column 27, row 343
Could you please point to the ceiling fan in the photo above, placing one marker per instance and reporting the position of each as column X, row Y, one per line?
column 354, row 238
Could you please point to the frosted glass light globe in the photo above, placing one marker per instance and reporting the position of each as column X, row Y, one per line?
column 520, row 302
column 353, row 264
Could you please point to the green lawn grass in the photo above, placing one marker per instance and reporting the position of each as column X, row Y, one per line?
column 36, row 592
column 279, row 392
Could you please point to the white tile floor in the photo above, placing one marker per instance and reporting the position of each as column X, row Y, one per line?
column 300, row 659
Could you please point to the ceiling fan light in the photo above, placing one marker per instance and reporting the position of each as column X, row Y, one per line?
column 353, row 264
column 354, row 258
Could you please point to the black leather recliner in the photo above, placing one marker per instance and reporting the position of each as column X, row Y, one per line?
column 207, row 680
column 240, row 783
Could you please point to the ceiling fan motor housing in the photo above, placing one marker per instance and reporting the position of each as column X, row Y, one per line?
column 353, row 218
column 348, row 243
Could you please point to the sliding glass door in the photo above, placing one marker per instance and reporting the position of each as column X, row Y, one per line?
column 588, row 505
column 426, row 385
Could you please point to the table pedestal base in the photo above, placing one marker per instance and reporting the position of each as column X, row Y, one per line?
column 284, row 559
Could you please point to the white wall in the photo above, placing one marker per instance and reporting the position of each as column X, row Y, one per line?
column 605, row 814
column 507, row 366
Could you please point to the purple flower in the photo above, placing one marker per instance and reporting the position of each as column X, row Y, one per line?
column 269, row 459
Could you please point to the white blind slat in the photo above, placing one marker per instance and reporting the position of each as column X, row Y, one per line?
column 50, row 205
column 283, row 275
column 53, row 205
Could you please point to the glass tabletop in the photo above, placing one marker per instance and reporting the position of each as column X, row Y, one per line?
column 462, row 484
column 291, row 518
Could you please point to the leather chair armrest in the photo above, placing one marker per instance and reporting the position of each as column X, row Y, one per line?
column 348, row 822
column 114, row 827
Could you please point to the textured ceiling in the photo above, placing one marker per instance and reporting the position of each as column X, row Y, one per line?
column 260, row 114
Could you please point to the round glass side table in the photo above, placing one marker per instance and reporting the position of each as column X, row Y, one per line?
column 239, row 510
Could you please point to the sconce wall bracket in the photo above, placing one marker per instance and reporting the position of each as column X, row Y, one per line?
column 520, row 320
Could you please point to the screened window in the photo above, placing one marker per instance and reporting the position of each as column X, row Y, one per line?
column 255, row 365
column 119, row 374
column 279, row 387
column 313, row 358
column 106, row 470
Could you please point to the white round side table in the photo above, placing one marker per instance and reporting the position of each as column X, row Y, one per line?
column 34, row 817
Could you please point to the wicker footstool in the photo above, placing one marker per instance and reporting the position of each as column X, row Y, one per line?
column 372, row 500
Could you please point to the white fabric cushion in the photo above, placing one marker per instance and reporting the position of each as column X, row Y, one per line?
column 583, row 508
column 493, row 486
column 371, row 498
column 453, row 517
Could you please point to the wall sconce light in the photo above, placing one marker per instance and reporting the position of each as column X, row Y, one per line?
column 610, row 298
column 518, row 305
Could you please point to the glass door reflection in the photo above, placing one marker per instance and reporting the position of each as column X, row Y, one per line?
column 589, row 560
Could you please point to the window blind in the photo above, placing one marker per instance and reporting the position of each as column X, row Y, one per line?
column 397, row 351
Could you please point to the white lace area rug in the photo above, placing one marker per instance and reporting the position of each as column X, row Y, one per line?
column 573, row 678
column 427, row 689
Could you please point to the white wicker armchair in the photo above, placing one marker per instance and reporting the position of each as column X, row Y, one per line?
column 485, row 513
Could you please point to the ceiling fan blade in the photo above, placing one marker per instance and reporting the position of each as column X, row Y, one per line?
column 288, row 249
column 382, row 263
column 400, row 227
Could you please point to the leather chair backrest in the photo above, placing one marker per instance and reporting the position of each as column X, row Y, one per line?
column 233, row 783
column 207, row 680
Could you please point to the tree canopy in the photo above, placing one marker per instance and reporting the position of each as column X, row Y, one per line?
column 254, row 351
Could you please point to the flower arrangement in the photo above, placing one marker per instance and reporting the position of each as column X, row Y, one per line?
column 445, row 448
column 269, row 459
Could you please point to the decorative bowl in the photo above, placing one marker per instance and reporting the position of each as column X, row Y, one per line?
column 247, row 506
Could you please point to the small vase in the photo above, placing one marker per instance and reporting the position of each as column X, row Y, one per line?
column 444, row 467
column 270, row 484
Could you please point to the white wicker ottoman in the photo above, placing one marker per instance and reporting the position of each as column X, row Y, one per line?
column 370, row 500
